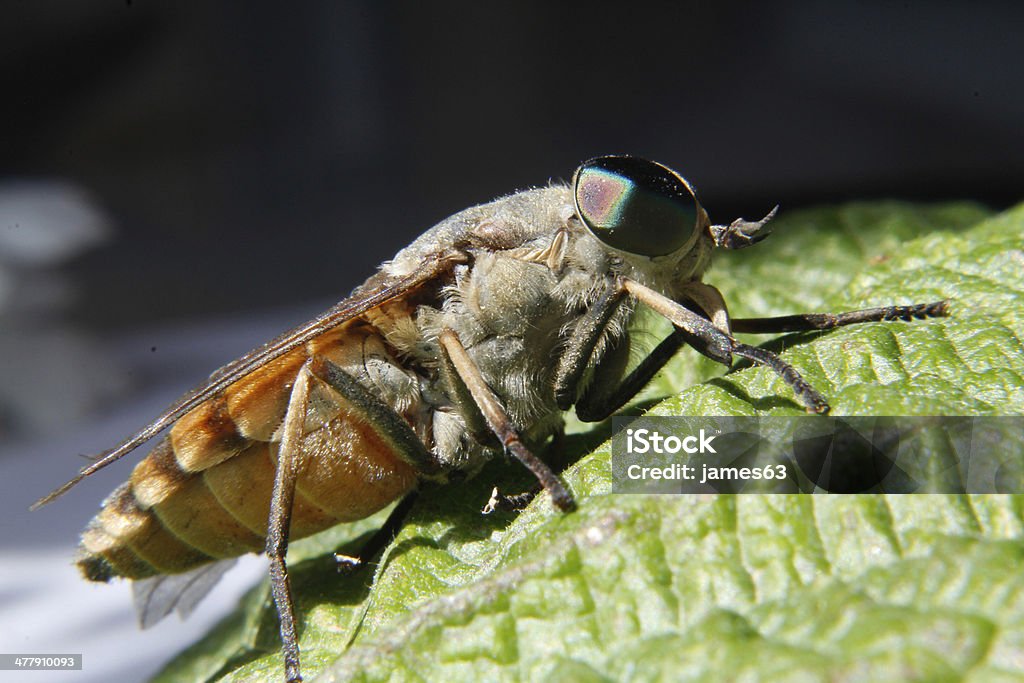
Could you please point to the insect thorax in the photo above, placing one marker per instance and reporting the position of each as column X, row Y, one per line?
column 532, row 270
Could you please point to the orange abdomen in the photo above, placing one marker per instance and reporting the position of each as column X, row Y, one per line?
column 204, row 492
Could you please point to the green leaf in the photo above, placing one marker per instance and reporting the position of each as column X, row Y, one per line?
column 815, row 588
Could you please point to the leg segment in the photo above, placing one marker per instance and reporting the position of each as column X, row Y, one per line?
column 389, row 425
column 598, row 403
column 460, row 394
column 581, row 345
column 719, row 346
column 510, row 502
column 288, row 467
column 812, row 400
column 391, row 428
column 807, row 322
column 498, row 420
column 381, row 538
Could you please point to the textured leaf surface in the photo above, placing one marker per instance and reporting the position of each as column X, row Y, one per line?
column 811, row 588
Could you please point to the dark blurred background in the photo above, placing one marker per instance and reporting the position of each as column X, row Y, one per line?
column 252, row 154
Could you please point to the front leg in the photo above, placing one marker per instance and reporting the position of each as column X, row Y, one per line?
column 721, row 346
column 599, row 401
column 809, row 322
column 580, row 346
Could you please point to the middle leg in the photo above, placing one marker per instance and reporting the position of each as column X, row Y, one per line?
column 498, row 420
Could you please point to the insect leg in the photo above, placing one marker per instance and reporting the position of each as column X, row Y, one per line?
column 598, row 403
column 476, row 423
column 381, row 538
column 392, row 429
column 388, row 425
column 288, row 467
column 807, row 322
column 719, row 346
column 513, row 502
column 498, row 420
column 581, row 345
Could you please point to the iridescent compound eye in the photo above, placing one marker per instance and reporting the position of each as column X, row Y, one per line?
column 635, row 205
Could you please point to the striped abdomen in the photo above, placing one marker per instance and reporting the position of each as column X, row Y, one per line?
column 204, row 492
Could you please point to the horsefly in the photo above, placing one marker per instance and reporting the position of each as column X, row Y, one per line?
column 471, row 342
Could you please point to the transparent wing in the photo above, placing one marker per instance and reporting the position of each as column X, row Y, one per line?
column 155, row 597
